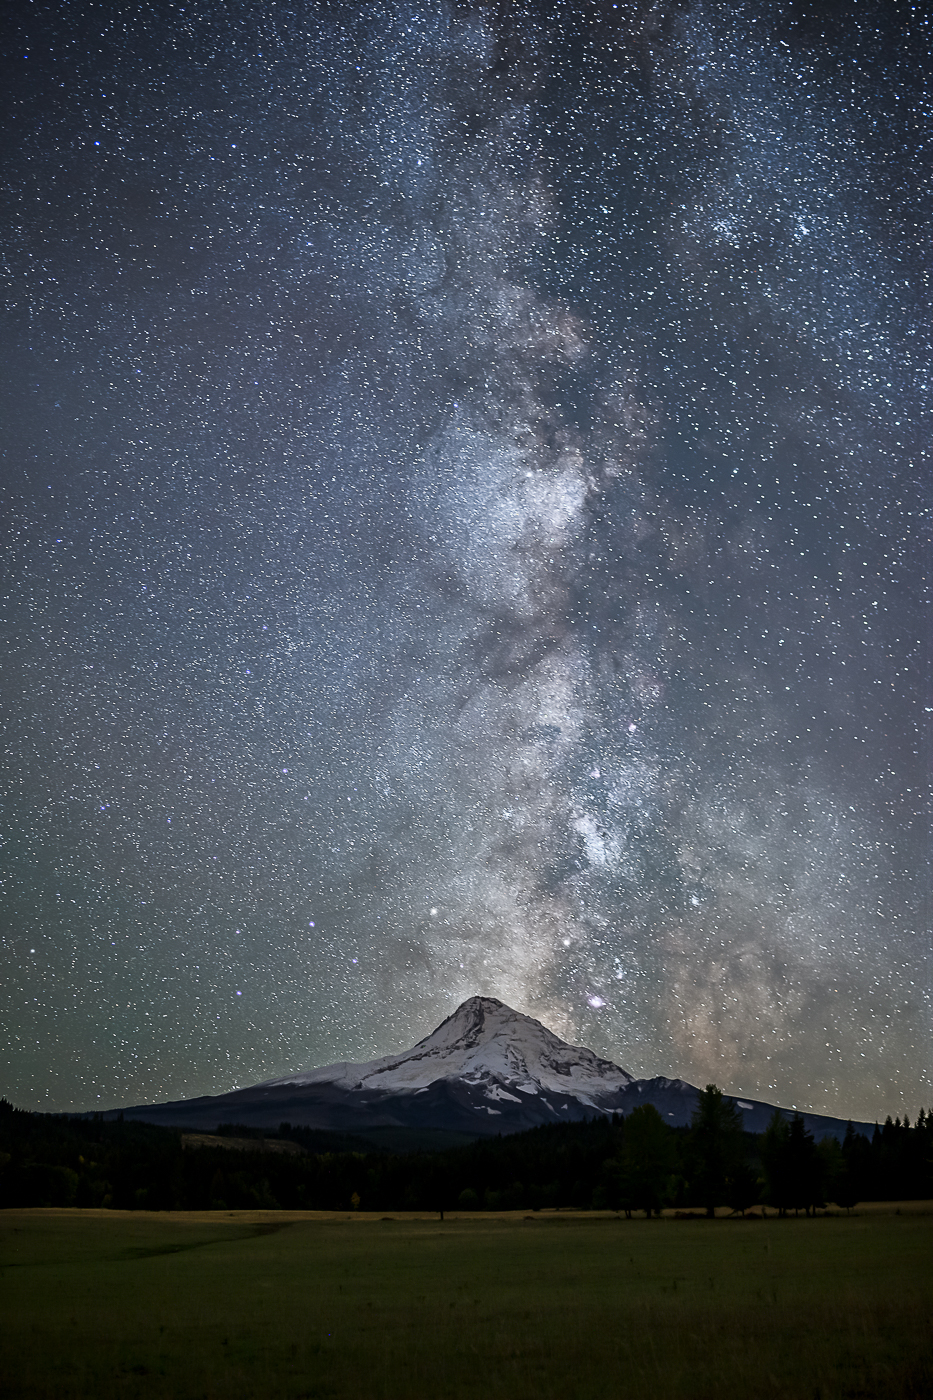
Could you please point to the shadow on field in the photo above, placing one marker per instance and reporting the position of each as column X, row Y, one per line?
column 254, row 1231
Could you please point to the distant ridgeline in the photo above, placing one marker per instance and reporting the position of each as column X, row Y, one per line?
column 636, row 1162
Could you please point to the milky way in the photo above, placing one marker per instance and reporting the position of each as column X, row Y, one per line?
column 467, row 529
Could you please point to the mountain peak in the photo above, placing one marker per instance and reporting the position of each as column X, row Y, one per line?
column 483, row 1042
column 479, row 1007
column 475, row 1017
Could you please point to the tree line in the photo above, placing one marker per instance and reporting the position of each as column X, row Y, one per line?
column 631, row 1163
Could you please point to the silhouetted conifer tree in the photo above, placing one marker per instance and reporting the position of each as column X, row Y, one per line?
column 773, row 1148
column 715, row 1146
column 647, row 1160
column 804, row 1168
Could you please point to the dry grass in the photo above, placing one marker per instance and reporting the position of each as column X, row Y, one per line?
column 281, row 1146
column 551, row 1307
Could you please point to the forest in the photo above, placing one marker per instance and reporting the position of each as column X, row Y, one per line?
column 625, row 1163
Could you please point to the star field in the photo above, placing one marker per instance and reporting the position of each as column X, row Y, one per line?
column 466, row 509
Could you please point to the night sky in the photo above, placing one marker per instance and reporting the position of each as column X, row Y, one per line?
column 466, row 506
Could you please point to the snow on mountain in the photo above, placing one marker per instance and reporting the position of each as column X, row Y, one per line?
column 483, row 1043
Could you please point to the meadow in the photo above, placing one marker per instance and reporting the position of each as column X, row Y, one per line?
column 548, row 1306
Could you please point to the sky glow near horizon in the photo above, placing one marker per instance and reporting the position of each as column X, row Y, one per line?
column 467, row 513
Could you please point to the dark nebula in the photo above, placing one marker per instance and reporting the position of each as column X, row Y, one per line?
column 466, row 506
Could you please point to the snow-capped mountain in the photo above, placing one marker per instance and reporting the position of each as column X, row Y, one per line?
column 484, row 1043
column 487, row 1069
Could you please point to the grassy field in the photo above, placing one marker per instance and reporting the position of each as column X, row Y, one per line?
column 547, row 1307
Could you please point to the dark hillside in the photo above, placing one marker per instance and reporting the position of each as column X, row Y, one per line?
column 626, row 1163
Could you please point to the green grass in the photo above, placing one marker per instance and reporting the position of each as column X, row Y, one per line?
column 269, row 1304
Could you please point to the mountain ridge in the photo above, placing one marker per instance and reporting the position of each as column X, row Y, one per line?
column 486, row 1069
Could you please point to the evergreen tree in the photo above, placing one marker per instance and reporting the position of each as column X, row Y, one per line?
column 647, row 1159
column 857, row 1151
column 742, row 1187
column 805, row 1178
column 773, row 1148
column 715, row 1146
column 838, row 1183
